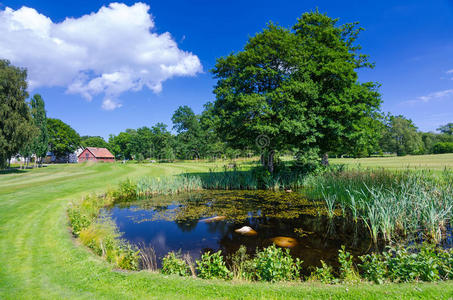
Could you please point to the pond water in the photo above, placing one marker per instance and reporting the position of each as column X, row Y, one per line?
column 207, row 221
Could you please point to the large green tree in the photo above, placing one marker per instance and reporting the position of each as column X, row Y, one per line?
column 190, row 142
column 94, row 141
column 16, row 126
column 63, row 139
column 296, row 88
column 40, row 143
column 401, row 137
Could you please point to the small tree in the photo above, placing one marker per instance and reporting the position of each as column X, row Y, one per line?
column 40, row 143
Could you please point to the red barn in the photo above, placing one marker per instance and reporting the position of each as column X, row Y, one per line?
column 96, row 154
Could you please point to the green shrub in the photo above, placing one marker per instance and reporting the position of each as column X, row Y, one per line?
column 347, row 271
column 127, row 257
column 373, row 267
column 405, row 266
column 173, row 264
column 323, row 274
column 443, row 147
column 212, row 266
column 77, row 220
column 276, row 264
column 127, row 190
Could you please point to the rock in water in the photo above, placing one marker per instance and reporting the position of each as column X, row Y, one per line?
column 214, row 219
column 246, row 230
column 283, row 241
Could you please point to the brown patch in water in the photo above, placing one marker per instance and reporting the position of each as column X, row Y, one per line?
column 284, row 241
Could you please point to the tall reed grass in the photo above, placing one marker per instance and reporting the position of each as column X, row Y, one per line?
column 392, row 204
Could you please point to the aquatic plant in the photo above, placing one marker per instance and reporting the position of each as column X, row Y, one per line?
column 276, row 264
column 148, row 258
column 212, row 266
column 348, row 273
column 174, row 264
column 242, row 265
column 323, row 274
column 392, row 204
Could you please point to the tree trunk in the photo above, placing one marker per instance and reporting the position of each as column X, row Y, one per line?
column 325, row 160
column 267, row 160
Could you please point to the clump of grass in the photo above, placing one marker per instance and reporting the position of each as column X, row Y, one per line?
column 99, row 233
column 148, row 258
column 392, row 204
column 103, row 238
column 242, row 265
column 149, row 186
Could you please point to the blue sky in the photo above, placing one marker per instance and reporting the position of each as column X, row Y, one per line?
column 411, row 43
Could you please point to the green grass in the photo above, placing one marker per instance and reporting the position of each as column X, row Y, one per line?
column 40, row 259
column 435, row 162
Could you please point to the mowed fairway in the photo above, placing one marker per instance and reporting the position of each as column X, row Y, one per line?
column 40, row 259
column 435, row 162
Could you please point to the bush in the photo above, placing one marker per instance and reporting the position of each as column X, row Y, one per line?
column 212, row 266
column 276, row 264
column 443, row 147
column 373, row 267
column 323, row 274
column 173, row 264
column 347, row 271
column 406, row 266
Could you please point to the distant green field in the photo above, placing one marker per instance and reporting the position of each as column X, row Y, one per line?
column 436, row 162
column 39, row 259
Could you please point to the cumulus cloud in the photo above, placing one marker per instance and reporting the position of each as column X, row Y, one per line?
column 104, row 53
column 449, row 71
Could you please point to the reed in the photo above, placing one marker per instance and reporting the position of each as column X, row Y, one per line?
column 392, row 204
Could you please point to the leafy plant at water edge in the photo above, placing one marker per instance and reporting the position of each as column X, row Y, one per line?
column 373, row 267
column 276, row 264
column 242, row 265
column 212, row 266
column 323, row 274
column 347, row 271
column 173, row 264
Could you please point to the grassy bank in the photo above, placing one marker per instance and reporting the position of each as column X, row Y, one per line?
column 39, row 258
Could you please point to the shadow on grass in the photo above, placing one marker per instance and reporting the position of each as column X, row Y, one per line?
column 13, row 171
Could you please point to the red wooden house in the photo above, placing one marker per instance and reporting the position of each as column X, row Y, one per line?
column 96, row 154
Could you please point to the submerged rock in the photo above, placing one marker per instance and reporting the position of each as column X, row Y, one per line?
column 214, row 219
column 283, row 241
column 246, row 230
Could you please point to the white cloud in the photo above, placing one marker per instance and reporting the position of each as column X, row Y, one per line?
column 107, row 52
column 449, row 71
column 436, row 95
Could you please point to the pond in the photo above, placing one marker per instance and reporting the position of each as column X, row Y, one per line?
column 209, row 221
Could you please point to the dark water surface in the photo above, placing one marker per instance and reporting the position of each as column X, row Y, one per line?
column 173, row 223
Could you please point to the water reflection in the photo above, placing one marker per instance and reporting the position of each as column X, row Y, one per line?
column 180, row 223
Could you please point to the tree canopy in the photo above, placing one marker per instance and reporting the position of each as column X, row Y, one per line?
column 401, row 137
column 447, row 129
column 40, row 143
column 296, row 88
column 63, row 139
column 16, row 126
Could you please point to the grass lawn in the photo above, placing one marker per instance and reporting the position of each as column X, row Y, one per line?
column 435, row 162
column 39, row 258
